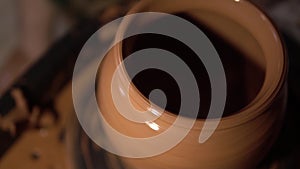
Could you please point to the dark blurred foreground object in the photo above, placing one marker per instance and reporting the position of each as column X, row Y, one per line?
column 44, row 80
column 48, row 75
column 41, row 84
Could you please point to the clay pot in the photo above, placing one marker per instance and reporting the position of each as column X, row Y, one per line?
column 242, row 138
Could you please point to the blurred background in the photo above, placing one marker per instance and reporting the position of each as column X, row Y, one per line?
column 38, row 35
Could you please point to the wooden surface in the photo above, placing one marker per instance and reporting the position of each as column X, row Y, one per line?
column 42, row 148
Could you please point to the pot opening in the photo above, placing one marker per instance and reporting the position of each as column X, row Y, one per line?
column 240, row 53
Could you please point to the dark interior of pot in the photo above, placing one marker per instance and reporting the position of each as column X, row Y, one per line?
column 244, row 77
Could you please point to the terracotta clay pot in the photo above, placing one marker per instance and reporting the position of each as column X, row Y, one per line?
column 242, row 138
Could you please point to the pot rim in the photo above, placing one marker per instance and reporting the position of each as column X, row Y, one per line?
column 271, row 87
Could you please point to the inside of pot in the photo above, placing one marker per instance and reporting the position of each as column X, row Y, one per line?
column 240, row 54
